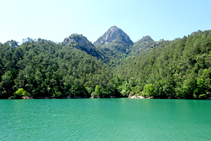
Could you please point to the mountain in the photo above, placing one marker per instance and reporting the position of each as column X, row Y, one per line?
column 115, row 39
column 81, row 42
column 142, row 45
column 164, row 69
column 176, row 69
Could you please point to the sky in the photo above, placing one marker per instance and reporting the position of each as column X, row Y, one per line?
column 57, row 19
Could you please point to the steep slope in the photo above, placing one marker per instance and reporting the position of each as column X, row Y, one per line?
column 114, row 39
column 178, row 69
column 80, row 42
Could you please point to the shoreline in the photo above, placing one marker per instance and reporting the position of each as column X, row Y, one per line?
column 65, row 97
column 98, row 97
column 142, row 97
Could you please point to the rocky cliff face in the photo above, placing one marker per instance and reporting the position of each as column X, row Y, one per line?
column 81, row 42
column 114, row 38
column 111, row 35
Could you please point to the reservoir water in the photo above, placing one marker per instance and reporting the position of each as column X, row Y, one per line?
column 105, row 119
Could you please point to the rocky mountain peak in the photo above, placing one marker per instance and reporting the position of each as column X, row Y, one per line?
column 111, row 35
column 81, row 42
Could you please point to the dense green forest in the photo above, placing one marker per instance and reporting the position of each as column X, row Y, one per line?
column 43, row 68
column 176, row 69
column 166, row 69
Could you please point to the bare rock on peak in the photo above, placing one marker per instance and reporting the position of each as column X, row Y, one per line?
column 81, row 42
column 115, row 38
column 111, row 35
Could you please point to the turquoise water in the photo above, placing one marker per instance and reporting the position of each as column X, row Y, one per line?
column 105, row 119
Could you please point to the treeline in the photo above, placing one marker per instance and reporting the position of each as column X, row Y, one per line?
column 177, row 69
column 41, row 68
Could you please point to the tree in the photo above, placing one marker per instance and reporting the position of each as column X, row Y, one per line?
column 199, row 91
column 20, row 92
column 97, row 90
column 148, row 90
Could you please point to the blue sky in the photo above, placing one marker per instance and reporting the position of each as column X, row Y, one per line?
column 56, row 19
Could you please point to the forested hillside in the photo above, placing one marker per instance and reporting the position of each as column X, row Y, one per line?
column 142, row 45
column 42, row 68
column 178, row 69
column 75, row 68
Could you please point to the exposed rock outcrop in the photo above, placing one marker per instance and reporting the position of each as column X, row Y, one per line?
column 81, row 42
column 115, row 39
column 140, row 97
column 111, row 35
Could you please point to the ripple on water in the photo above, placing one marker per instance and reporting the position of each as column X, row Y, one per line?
column 105, row 119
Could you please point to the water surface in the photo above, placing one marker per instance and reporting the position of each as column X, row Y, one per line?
column 105, row 119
